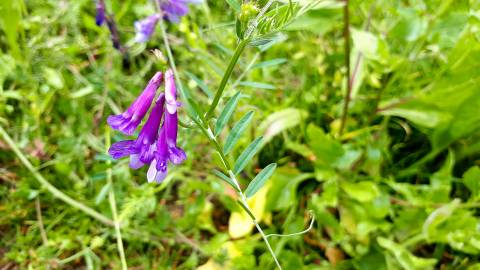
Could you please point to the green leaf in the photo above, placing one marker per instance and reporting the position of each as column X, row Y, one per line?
column 437, row 217
column 471, row 178
column 234, row 4
column 225, row 178
column 369, row 45
column 264, row 42
column 236, row 132
column 10, row 22
column 226, row 113
column 362, row 191
column 53, row 77
column 280, row 121
column 406, row 259
column 328, row 151
column 259, row 180
column 247, row 155
column 270, row 63
column 257, row 85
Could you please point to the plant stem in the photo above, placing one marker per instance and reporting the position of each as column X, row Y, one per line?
column 346, row 34
column 254, row 220
column 113, row 205
column 52, row 189
column 43, row 234
column 233, row 61
column 203, row 125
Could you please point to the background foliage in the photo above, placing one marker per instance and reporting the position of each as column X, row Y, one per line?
column 399, row 189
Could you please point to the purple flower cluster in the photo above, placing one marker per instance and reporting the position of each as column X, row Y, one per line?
column 154, row 145
column 172, row 10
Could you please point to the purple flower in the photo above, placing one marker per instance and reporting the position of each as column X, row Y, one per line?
column 100, row 17
column 142, row 150
column 144, row 28
column 128, row 121
column 174, row 9
column 155, row 146
column 167, row 149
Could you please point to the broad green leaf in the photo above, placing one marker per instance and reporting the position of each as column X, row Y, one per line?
column 260, row 180
column 369, row 45
column 421, row 113
column 283, row 191
column 247, row 155
column 327, row 150
column 280, row 121
column 270, row 63
column 10, row 22
column 437, row 217
column 226, row 113
column 236, row 132
column 257, row 85
column 407, row 260
column 361, row 191
column 471, row 178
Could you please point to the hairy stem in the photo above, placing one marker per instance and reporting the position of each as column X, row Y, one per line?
column 113, row 205
column 51, row 188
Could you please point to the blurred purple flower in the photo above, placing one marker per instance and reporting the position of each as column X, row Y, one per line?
column 100, row 17
column 167, row 149
column 174, row 9
column 128, row 121
column 145, row 27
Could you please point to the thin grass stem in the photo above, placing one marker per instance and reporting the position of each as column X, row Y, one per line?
column 113, row 205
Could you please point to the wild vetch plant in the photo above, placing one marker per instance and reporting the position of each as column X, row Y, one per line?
column 156, row 144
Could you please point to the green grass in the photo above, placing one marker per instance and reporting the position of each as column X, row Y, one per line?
column 397, row 189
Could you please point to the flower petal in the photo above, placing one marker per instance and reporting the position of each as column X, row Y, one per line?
column 135, row 162
column 128, row 121
column 121, row 149
column 154, row 174
column 176, row 155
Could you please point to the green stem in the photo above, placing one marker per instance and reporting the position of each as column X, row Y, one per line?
column 113, row 205
column 203, row 125
column 55, row 192
column 226, row 76
column 244, row 204
column 346, row 33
